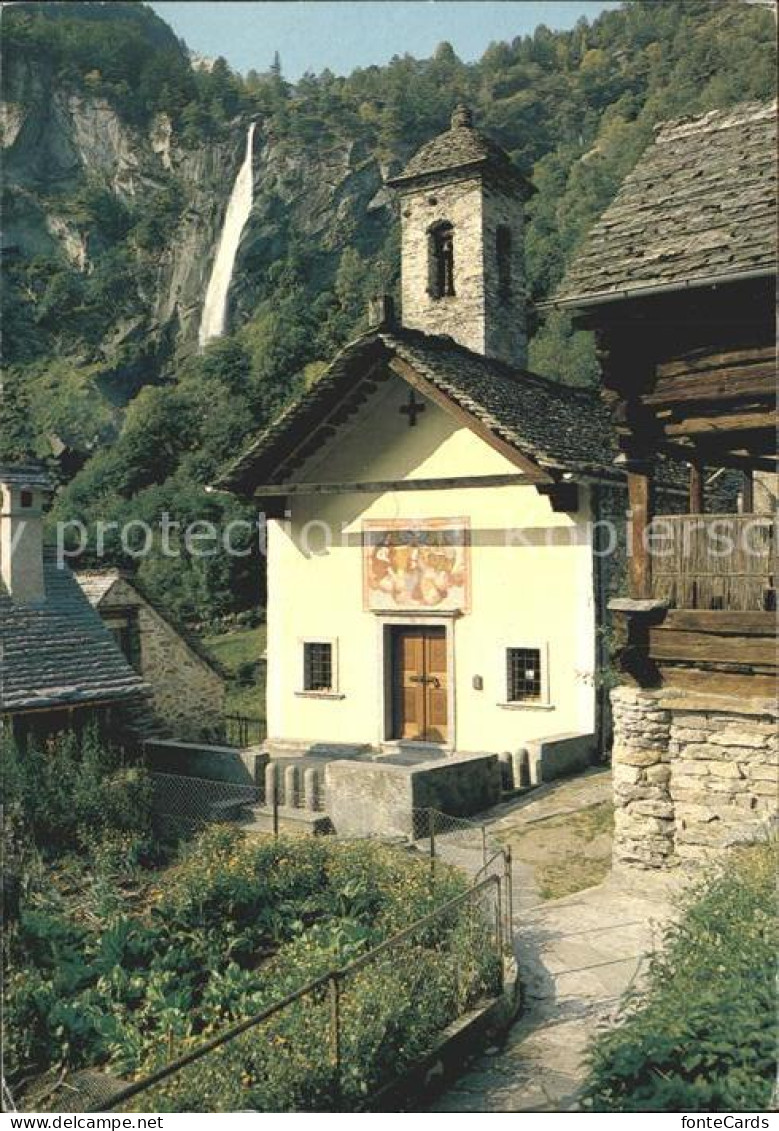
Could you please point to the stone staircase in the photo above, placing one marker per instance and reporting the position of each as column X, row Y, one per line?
column 293, row 798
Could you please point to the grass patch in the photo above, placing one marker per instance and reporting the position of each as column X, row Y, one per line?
column 569, row 852
column 240, row 652
column 235, row 649
column 700, row 1034
column 557, row 880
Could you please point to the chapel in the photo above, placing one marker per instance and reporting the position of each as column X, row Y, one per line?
column 434, row 508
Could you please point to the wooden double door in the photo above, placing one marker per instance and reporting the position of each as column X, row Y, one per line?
column 420, row 689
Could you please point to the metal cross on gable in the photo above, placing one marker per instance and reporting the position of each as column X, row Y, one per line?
column 412, row 409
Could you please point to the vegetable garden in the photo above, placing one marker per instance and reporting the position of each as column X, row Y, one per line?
column 126, row 952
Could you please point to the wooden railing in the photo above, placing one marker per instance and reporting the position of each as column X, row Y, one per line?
column 725, row 561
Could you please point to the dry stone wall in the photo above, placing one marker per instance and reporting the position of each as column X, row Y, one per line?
column 188, row 696
column 689, row 782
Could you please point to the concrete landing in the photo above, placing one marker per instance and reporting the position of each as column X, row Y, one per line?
column 301, row 822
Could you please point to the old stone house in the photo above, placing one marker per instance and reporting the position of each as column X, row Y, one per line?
column 433, row 581
column 187, row 687
column 678, row 281
column 59, row 665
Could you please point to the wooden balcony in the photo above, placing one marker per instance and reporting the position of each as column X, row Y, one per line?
column 724, row 562
column 709, row 624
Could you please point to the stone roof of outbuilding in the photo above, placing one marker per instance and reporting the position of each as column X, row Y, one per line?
column 556, row 427
column 462, row 146
column 25, row 475
column 97, row 584
column 58, row 653
column 699, row 205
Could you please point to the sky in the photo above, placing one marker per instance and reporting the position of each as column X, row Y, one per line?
column 343, row 34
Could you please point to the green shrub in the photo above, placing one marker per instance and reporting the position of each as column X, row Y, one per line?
column 66, row 793
column 701, row 1035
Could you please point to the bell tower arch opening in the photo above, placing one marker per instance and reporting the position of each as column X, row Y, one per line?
column 440, row 249
column 461, row 204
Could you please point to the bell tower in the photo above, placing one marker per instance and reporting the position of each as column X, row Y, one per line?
column 462, row 213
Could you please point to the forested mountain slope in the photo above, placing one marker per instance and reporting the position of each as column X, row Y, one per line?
column 118, row 161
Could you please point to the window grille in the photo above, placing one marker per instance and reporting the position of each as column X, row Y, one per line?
column 523, row 674
column 317, row 666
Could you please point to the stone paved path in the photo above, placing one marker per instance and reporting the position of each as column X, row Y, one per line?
column 577, row 956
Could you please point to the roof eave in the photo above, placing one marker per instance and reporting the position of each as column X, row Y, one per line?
column 604, row 298
column 63, row 702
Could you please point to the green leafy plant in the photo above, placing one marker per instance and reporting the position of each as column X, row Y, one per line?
column 701, row 1035
column 235, row 923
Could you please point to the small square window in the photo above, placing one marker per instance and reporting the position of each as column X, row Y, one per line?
column 317, row 666
column 523, row 675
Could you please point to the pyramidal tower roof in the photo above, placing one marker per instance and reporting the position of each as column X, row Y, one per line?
column 462, row 146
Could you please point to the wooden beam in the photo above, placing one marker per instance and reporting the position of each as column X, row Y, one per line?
column 670, row 644
column 640, row 504
column 276, row 506
column 563, row 497
column 722, row 622
column 697, row 494
column 382, row 486
column 748, row 493
column 735, row 422
column 735, row 686
column 468, row 420
column 324, row 429
column 718, row 458
column 720, row 385
column 701, row 360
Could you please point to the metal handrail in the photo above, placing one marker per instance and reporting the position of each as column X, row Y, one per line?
column 331, row 978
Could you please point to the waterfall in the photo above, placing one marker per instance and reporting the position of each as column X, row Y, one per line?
column 212, row 323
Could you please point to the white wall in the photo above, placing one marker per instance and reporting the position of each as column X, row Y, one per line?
column 540, row 593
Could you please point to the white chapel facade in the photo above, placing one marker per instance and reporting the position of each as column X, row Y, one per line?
column 431, row 575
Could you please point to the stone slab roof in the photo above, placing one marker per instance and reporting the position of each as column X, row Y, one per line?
column 25, row 475
column 59, row 653
column 97, row 584
column 557, row 427
column 700, row 204
column 460, row 147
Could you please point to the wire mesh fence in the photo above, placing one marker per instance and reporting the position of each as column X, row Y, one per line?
column 435, row 831
column 183, row 804
column 338, row 1040
column 468, row 845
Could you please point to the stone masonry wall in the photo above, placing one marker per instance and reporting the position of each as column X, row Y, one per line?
column 477, row 315
column 188, row 695
column 689, row 782
column 461, row 315
column 505, row 330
